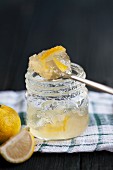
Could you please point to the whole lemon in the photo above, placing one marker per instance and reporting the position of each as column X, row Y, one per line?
column 10, row 123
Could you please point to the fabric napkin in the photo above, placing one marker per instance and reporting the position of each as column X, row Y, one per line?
column 98, row 135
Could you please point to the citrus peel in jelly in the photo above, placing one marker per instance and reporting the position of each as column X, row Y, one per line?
column 51, row 64
column 51, row 52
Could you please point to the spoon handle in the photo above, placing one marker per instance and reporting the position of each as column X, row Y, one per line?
column 93, row 84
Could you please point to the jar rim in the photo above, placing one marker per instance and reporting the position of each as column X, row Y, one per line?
column 43, row 87
column 37, row 83
column 76, row 69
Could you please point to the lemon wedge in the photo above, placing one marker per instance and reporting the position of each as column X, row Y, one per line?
column 19, row 148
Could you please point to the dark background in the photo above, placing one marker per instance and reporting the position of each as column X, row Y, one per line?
column 85, row 28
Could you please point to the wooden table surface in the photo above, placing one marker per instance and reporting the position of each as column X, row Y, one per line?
column 85, row 28
column 64, row 161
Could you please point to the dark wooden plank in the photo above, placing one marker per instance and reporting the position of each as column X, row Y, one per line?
column 85, row 29
column 44, row 161
column 15, row 21
column 75, row 161
column 96, row 161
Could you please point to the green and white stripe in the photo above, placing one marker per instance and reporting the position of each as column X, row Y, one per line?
column 98, row 136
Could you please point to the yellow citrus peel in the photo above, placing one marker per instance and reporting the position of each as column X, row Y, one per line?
column 60, row 65
column 52, row 63
column 58, row 127
column 51, row 51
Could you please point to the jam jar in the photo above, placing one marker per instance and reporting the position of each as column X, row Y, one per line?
column 56, row 109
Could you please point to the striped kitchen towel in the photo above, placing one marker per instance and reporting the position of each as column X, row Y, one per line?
column 98, row 136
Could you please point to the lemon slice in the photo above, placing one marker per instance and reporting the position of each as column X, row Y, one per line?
column 19, row 148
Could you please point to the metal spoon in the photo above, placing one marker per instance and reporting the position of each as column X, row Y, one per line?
column 92, row 84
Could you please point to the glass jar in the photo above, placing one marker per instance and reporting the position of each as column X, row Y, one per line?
column 56, row 109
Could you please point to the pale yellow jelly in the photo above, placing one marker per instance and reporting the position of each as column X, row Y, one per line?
column 49, row 126
column 71, row 126
column 51, row 64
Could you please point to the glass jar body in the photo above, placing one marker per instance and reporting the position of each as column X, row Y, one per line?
column 56, row 109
